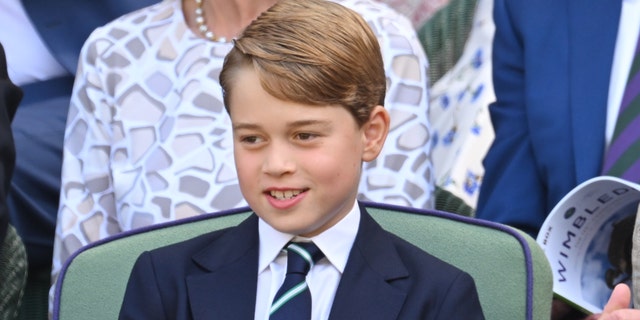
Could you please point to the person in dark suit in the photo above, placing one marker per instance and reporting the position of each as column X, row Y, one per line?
column 559, row 70
column 553, row 63
column 13, row 266
column 39, row 124
column 10, row 96
column 306, row 111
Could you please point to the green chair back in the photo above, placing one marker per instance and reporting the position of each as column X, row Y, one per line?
column 512, row 274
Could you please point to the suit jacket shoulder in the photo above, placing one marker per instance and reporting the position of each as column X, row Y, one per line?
column 388, row 278
column 213, row 276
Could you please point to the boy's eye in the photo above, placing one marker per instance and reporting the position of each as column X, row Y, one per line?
column 250, row 139
column 305, row 136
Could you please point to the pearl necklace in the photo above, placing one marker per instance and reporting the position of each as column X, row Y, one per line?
column 202, row 25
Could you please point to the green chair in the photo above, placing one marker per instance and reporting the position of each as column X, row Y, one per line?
column 512, row 274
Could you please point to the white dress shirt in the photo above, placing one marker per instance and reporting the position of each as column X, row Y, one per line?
column 322, row 279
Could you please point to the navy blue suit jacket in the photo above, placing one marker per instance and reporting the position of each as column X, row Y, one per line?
column 215, row 277
column 39, row 124
column 552, row 63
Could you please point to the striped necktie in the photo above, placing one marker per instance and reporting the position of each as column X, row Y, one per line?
column 623, row 157
column 293, row 299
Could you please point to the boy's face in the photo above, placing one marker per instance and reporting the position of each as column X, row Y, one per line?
column 299, row 165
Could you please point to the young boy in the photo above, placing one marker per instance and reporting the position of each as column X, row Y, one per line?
column 304, row 86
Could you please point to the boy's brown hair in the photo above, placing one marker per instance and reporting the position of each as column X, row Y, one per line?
column 313, row 52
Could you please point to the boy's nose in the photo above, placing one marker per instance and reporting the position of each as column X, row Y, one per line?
column 278, row 160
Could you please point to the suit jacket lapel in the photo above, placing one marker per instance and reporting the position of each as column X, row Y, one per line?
column 591, row 21
column 227, row 289
column 373, row 264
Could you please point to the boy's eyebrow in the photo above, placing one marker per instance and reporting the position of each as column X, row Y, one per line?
column 302, row 123
column 247, row 126
column 295, row 124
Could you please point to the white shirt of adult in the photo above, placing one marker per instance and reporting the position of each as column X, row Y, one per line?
column 28, row 58
column 322, row 279
column 628, row 32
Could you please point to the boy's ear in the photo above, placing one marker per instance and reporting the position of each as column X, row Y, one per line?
column 375, row 132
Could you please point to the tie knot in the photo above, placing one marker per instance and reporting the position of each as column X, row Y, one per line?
column 301, row 256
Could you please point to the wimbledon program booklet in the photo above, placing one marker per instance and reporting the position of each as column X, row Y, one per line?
column 587, row 239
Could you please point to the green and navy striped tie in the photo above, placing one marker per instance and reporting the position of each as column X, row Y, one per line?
column 293, row 299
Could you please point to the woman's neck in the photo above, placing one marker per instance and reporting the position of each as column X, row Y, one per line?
column 224, row 18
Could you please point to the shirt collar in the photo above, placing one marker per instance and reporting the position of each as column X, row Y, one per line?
column 337, row 252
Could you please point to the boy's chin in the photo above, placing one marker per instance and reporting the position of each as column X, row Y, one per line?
column 295, row 229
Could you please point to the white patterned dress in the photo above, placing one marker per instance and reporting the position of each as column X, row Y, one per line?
column 148, row 139
column 459, row 112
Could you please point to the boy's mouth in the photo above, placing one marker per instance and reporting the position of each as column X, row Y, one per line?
column 285, row 195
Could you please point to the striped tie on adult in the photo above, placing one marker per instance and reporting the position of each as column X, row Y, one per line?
column 622, row 159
